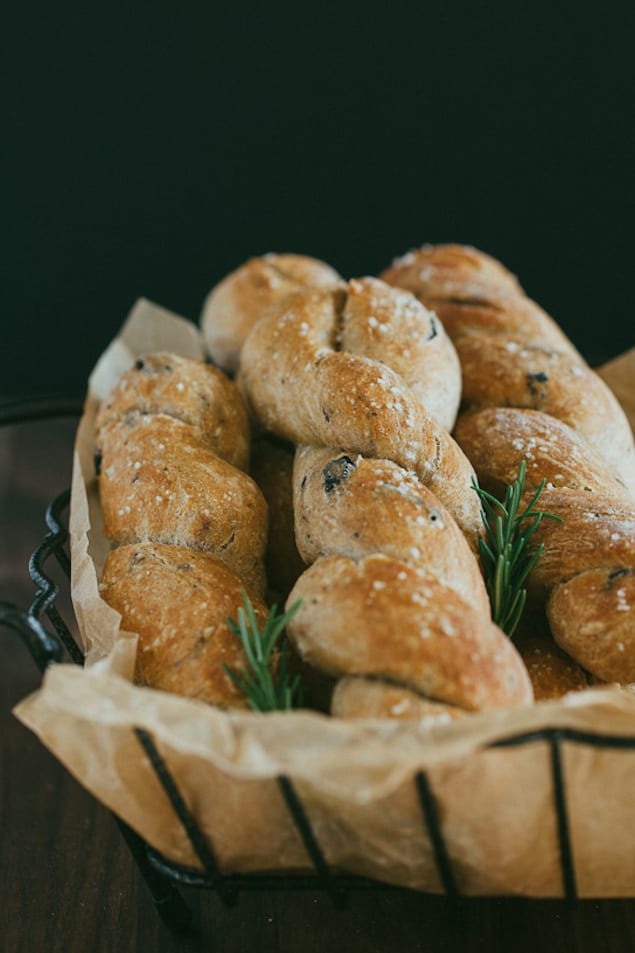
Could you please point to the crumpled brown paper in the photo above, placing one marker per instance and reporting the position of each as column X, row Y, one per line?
column 356, row 780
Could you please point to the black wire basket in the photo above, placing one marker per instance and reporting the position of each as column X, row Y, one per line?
column 162, row 875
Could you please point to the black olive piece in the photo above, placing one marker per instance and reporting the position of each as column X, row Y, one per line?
column 533, row 379
column 336, row 471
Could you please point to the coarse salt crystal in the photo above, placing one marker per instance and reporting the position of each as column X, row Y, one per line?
column 399, row 707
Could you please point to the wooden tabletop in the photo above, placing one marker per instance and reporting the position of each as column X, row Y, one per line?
column 70, row 884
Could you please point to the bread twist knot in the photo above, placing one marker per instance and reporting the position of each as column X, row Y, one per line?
column 235, row 304
column 190, row 526
column 172, row 435
column 393, row 601
column 367, row 369
column 586, row 574
column 512, row 353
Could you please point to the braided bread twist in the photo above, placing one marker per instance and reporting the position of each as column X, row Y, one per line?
column 170, row 435
column 235, row 304
column 512, row 353
column 394, row 593
column 586, row 573
column 190, row 527
column 369, row 370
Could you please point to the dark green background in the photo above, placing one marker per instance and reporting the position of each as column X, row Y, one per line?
column 149, row 149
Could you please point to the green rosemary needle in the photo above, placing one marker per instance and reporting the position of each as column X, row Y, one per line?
column 264, row 690
column 506, row 554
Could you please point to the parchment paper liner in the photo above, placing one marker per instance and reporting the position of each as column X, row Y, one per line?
column 356, row 779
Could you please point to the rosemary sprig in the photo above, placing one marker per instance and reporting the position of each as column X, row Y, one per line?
column 506, row 554
column 264, row 690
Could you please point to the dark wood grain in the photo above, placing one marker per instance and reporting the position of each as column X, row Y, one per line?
column 69, row 882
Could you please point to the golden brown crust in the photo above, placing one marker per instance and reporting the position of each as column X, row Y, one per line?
column 357, row 370
column 596, row 531
column 191, row 391
column 178, row 601
column 375, row 698
column 304, row 389
column 553, row 673
column 476, row 293
column 395, row 330
column 592, row 616
column 496, row 439
column 191, row 527
column 379, row 617
column 586, row 569
column 512, row 353
column 453, row 272
column 353, row 506
column 160, row 481
column 239, row 301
